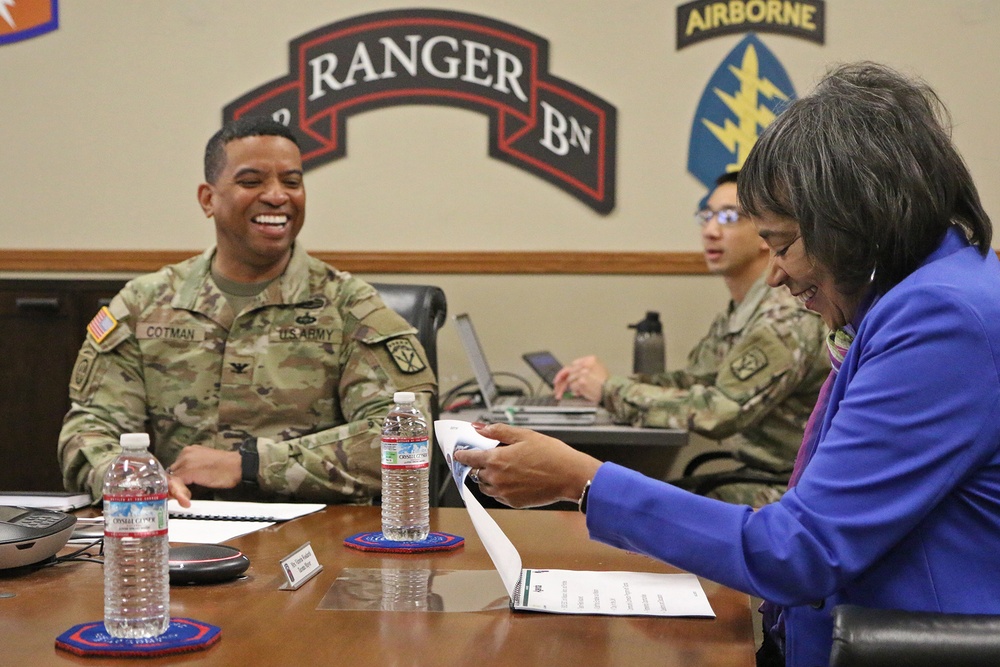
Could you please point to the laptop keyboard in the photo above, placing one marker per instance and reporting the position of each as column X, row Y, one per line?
column 537, row 401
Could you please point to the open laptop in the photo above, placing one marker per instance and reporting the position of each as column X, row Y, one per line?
column 518, row 409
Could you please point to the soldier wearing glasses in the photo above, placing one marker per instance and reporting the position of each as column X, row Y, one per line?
column 751, row 382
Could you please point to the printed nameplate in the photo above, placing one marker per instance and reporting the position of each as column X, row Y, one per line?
column 299, row 567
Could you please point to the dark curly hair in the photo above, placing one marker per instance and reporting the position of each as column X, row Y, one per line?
column 866, row 166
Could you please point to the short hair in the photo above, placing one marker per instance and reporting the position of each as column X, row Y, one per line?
column 728, row 177
column 249, row 126
column 866, row 166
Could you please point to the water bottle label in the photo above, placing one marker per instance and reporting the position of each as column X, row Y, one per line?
column 402, row 453
column 135, row 516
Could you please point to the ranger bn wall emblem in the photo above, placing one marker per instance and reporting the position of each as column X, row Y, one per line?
column 538, row 122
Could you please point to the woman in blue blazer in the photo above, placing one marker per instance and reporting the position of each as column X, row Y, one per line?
column 873, row 220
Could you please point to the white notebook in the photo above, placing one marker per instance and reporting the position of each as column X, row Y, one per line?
column 567, row 591
column 227, row 510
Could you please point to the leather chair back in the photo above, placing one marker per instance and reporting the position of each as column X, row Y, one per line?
column 865, row 637
column 425, row 308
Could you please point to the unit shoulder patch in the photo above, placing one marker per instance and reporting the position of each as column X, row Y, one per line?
column 82, row 369
column 752, row 362
column 405, row 355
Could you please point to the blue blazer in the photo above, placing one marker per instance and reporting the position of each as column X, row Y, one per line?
column 900, row 505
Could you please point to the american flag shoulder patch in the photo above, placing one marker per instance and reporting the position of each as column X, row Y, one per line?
column 102, row 324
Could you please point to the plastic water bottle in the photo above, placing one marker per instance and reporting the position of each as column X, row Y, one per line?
column 136, row 552
column 405, row 468
column 649, row 353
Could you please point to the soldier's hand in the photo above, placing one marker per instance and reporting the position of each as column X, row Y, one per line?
column 583, row 377
column 211, row 468
column 178, row 490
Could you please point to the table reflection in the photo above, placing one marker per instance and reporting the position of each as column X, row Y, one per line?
column 417, row 587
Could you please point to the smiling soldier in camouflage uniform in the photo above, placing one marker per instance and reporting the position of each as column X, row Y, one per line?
column 261, row 372
column 750, row 383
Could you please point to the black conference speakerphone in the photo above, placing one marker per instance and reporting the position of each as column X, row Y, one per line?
column 28, row 535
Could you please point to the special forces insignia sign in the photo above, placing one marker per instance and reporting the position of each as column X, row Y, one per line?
column 538, row 122
column 750, row 87
column 743, row 96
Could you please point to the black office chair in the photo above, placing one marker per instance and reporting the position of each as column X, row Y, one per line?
column 742, row 474
column 425, row 308
column 865, row 637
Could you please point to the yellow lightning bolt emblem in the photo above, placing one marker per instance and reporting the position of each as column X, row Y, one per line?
column 740, row 137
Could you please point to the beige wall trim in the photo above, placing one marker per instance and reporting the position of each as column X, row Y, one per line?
column 142, row 261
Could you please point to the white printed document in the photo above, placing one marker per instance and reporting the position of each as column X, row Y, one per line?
column 566, row 591
column 226, row 510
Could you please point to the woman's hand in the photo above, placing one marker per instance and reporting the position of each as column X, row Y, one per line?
column 528, row 469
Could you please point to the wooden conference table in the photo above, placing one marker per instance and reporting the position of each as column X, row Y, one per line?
column 262, row 625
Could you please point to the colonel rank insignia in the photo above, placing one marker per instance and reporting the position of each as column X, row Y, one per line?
column 405, row 355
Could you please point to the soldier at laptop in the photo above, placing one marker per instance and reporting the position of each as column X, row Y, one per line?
column 751, row 382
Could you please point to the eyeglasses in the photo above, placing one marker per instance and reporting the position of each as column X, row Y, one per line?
column 725, row 216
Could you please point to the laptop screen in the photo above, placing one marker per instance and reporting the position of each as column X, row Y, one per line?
column 477, row 358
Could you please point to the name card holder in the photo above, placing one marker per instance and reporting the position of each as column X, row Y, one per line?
column 299, row 567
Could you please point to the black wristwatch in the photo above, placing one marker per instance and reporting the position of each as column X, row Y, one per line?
column 249, row 460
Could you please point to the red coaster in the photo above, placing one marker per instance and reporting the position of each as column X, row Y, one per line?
column 183, row 635
column 376, row 541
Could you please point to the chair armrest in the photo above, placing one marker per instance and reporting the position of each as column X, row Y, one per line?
column 701, row 459
column 741, row 476
column 865, row 637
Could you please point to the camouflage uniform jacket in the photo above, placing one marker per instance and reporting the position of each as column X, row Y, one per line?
column 308, row 368
column 753, row 380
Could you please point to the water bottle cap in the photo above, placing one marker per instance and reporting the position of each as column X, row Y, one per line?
column 134, row 440
column 651, row 324
column 404, row 397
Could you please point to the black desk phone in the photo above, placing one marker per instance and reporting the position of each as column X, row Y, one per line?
column 31, row 535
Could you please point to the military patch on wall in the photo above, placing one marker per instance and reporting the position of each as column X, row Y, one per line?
column 745, row 93
column 543, row 124
column 23, row 19
column 748, row 365
column 405, row 355
column 704, row 19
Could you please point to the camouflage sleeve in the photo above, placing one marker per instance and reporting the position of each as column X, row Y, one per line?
column 678, row 379
column 756, row 375
column 107, row 398
column 381, row 357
